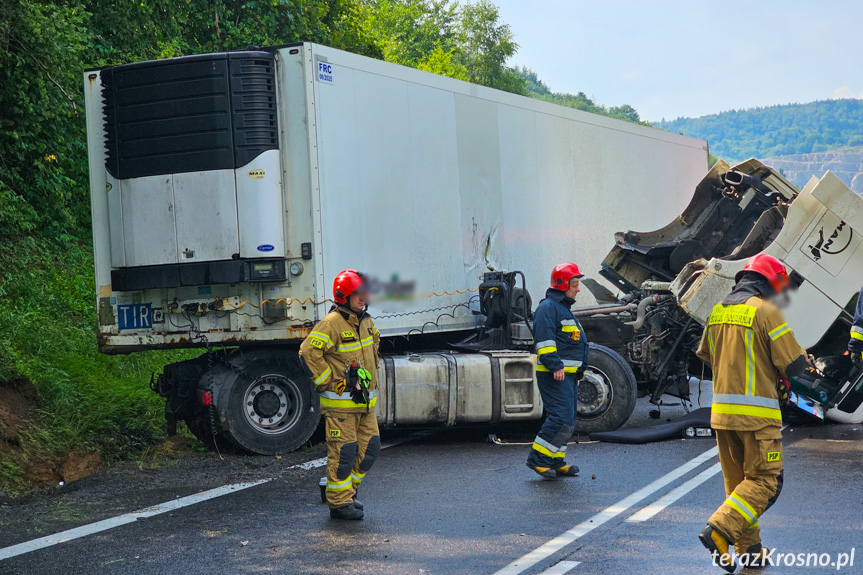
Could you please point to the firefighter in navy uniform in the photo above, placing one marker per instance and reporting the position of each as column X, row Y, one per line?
column 561, row 357
column 751, row 351
column 341, row 354
column 855, row 344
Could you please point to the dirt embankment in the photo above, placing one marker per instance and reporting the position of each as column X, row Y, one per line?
column 22, row 467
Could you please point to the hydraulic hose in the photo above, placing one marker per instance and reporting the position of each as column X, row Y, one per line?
column 603, row 309
column 641, row 314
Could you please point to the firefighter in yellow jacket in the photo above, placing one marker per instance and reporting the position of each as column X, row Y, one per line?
column 341, row 354
column 751, row 350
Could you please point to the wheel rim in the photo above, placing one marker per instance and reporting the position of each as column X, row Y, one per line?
column 272, row 404
column 595, row 394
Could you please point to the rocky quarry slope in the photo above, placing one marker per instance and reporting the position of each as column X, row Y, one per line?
column 846, row 163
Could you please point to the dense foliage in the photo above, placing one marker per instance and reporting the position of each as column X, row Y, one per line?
column 47, row 311
column 536, row 88
column 777, row 130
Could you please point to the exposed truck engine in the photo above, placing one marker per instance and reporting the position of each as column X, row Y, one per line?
column 671, row 278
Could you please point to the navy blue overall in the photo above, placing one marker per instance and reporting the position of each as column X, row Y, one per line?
column 855, row 344
column 560, row 344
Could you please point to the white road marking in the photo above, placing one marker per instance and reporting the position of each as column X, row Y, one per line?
column 159, row 509
column 651, row 510
column 560, row 568
column 553, row 546
column 106, row 524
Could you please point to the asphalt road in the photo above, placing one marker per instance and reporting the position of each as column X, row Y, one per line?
column 451, row 503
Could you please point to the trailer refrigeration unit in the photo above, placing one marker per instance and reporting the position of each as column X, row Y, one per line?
column 229, row 189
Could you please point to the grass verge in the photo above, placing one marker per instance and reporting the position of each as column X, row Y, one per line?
column 83, row 401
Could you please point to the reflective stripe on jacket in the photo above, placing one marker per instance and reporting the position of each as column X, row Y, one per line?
column 338, row 340
column 559, row 340
column 748, row 346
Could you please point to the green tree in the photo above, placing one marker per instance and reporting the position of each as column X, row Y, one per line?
column 468, row 41
column 131, row 31
column 624, row 112
column 41, row 145
column 486, row 45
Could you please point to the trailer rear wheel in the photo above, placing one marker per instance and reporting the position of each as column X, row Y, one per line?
column 271, row 407
column 607, row 392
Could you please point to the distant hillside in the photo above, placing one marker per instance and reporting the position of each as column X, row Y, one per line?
column 777, row 130
column 536, row 88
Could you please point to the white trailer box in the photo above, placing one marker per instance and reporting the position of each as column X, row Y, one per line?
column 229, row 189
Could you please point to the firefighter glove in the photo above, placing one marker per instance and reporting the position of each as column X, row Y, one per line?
column 359, row 381
column 783, row 391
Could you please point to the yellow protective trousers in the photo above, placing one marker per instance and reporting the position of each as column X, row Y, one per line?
column 353, row 444
column 752, row 468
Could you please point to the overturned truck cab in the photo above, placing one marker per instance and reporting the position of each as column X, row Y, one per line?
column 672, row 277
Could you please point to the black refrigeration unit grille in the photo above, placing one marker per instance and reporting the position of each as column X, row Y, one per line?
column 190, row 114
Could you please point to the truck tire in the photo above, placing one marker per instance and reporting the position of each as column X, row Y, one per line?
column 607, row 392
column 271, row 407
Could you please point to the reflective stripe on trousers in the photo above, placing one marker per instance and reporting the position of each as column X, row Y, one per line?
column 549, row 449
column 740, row 505
column 340, row 486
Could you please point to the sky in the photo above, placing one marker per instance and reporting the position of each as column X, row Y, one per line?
column 670, row 58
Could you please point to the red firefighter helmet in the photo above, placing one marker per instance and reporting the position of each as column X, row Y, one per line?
column 769, row 267
column 347, row 283
column 562, row 274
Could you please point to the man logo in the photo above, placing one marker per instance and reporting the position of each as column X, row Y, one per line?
column 836, row 243
column 257, row 174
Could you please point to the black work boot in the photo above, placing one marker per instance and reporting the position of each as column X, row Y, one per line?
column 544, row 472
column 755, row 557
column 348, row 512
column 357, row 504
column 720, row 548
column 567, row 471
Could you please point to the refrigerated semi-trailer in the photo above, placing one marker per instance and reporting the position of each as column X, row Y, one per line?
column 229, row 189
